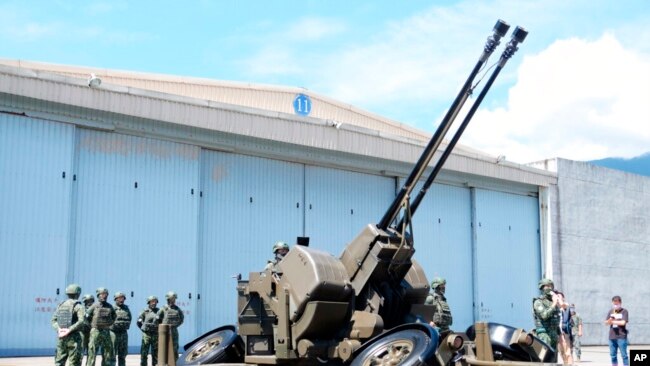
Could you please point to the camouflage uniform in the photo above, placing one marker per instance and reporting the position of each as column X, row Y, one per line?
column 576, row 322
column 148, row 323
column 172, row 315
column 101, row 316
column 547, row 317
column 69, row 315
column 85, row 329
column 442, row 313
column 119, row 331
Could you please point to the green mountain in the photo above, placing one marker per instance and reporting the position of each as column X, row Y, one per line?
column 637, row 165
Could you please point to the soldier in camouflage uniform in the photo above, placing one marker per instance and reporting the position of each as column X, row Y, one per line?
column 280, row 249
column 576, row 331
column 88, row 300
column 148, row 323
column 172, row 315
column 67, row 320
column 119, row 329
column 546, row 312
column 101, row 316
column 442, row 318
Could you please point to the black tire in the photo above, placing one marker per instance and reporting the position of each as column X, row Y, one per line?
column 219, row 345
column 500, row 336
column 407, row 346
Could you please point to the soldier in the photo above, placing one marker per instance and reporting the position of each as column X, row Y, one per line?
column 546, row 312
column 119, row 329
column 280, row 249
column 101, row 316
column 576, row 331
column 148, row 323
column 88, row 300
column 67, row 320
column 442, row 318
column 172, row 315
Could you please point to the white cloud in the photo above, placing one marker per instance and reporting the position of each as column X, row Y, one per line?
column 577, row 99
column 311, row 29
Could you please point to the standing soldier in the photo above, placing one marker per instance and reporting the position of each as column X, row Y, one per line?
column 172, row 315
column 280, row 249
column 546, row 311
column 101, row 316
column 67, row 320
column 442, row 318
column 119, row 329
column 576, row 330
column 148, row 323
column 88, row 300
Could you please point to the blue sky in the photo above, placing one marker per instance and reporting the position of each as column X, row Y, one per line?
column 577, row 88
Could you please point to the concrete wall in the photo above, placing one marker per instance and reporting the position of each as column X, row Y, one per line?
column 601, row 245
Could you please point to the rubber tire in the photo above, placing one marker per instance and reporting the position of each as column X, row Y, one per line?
column 230, row 349
column 422, row 343
column 500, row 336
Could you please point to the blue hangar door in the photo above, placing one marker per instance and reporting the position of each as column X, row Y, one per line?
column 35, row 185
column 136, row 221
column 442, row 232
column 507, row 257
column 339, row 203
column 248, row 203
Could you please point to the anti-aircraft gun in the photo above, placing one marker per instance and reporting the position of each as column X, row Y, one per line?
column 368, row 306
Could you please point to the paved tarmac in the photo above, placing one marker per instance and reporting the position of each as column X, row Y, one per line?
column 591, row 356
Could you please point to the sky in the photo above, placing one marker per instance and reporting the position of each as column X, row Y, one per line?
column 577, row 88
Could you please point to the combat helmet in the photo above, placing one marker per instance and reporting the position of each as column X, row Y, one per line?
column 88, row 297
column 119, row 294
column 151, row 298
column 101, row 290
column 73, row 289
column 280, row 245
column 170, row 294
column 437, row 281
column 545, row 281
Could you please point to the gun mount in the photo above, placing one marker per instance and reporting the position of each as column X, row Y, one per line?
column 368, row 306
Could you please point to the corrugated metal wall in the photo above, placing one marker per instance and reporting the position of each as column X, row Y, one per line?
column 340, row 203
column 35, row 185
column 136, row 220
column 507, row 257
column 145, row 216
column 443, row 244
column 248, row 203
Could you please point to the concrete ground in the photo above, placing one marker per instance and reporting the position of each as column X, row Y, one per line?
column 591, row 356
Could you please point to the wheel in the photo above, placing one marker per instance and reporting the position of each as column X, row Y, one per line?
column 219, row 345
column 500, row 336
column 407, row 346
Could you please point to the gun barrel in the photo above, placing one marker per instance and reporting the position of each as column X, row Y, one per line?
column 518, row 36
column 500, row 29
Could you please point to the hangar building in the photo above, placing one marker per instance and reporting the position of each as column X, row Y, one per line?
column 150, row 183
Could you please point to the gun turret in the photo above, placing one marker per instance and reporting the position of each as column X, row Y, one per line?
column 313, row 307
column 378, row 261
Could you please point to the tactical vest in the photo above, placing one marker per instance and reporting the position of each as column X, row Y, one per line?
column 150, row 321
column 85, row 327
column 550, row 325
column 65, row 315
column 172, row 316
column 575, row 324
column 102, row 316
column 123, row 319
column 442, row 317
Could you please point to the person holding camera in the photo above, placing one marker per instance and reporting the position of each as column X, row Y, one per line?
column 564, row 339
column 617, row 319
column 546, row 313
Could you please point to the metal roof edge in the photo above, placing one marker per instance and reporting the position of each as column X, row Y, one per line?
column 333, row 137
